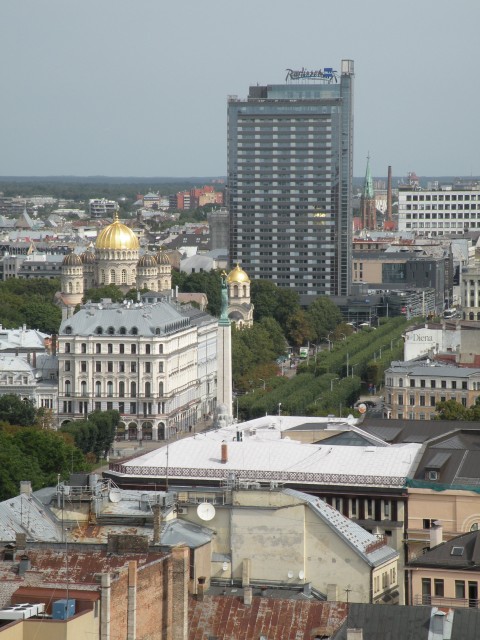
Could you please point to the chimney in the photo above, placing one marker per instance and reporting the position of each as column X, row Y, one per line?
column 354, row 634
column 436, row 534
column 389, row 194
column 157, row 524
column 25, row 487
column 332, row 592
column 201, row 588
column 247, row 595
column 246, row 572
column 224, row 453
column 21, row 540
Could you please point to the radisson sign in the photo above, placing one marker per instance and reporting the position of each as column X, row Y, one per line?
column 328, row 73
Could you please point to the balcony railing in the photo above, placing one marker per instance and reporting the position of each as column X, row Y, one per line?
column 440, row 601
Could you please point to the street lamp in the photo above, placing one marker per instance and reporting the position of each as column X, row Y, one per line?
column 344, row 336
column 279, row 409
column 316, row 399
column 353, row 367
column 331, row 383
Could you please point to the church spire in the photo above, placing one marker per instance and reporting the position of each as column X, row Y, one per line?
column 368, row 191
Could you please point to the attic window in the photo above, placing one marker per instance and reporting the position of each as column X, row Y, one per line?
column 432, row 475
column 99, row 331
column 457, row 551
column 68, row 330
column 110, row 331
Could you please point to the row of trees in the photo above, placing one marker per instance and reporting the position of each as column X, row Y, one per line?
column 94, row 436
column 323, row 384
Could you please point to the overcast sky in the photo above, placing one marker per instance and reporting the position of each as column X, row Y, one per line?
column 139, row 88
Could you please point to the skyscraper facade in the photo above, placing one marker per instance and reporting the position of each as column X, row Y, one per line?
column 290, row 166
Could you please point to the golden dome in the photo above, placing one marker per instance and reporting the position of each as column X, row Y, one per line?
column 117, row 236
column 237, row 275
column 72, row 260
column 147, row 260
column 162, row 258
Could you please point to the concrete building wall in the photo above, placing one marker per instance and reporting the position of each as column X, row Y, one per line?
column 443, row 581
column 273, row 541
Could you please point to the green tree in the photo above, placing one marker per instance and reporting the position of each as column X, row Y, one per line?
column 16, row 411
column 299, row 328
column 111, row 291
column 324, row 316
column 263, row 294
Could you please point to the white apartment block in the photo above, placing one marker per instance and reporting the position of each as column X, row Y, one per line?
column 439, row 212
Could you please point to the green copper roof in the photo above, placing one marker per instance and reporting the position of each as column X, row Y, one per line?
column 368, row 191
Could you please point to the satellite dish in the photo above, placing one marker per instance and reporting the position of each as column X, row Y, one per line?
column 301, row 575
column 290, row 574
column 362, row 408
column 206, row 511
column 114, row 495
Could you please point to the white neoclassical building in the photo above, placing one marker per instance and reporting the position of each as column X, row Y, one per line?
column 153, row 361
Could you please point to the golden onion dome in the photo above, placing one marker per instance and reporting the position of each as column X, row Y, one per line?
column 237, row 275
column 71, row 260
column 162, row 258
column 147, row 260
column 117, row 236
column 87, row 257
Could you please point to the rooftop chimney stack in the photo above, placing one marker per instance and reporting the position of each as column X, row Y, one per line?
column 436, row 534
column 224, row 453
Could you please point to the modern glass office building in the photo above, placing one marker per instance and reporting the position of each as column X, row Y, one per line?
column 290, row 165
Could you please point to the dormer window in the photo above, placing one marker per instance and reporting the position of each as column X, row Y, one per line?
column 68, row 330
column 99, row 331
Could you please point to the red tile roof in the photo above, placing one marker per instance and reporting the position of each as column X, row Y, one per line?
column 227, row 618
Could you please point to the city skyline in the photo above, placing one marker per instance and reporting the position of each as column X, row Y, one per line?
column 120, row 90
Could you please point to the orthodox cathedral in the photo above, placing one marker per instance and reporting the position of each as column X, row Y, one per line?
column 113, row 260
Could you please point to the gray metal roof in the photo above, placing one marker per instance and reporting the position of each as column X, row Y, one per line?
column 158, row 318
column 26, row 514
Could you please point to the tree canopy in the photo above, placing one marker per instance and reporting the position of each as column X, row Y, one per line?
column 30, row 302
column 17, row 411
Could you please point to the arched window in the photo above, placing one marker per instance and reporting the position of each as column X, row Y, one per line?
column 147, row 348
column 148, row 389
column 235, row 291
column 98, row 389
column 77, row 287
column 111, row 331
column 122, row 331
column 133, row 389
column 134, row 331
column 133, row 348
column 68, row 387
column 124, row 276
column 244, row 290
column 160, row 389
column 70, row 287
column 83, row 388
column 102, row 276
column 109, row 388
column 68, row 330
column 99, row 331
column 160, row 348
column 84, row 347
column 112, row 276
column 121, row 389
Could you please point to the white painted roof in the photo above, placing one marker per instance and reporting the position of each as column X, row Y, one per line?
column 264, row 455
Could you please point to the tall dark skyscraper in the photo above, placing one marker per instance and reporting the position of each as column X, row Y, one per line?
column 290, row 167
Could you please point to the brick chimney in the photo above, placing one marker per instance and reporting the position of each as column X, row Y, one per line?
column 224, row 453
